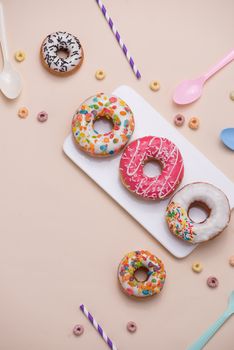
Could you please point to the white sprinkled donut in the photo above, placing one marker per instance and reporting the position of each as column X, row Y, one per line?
column 153, row 267
column 145, row 149
column 198, row 194
column 66, row 42
column 103, row 106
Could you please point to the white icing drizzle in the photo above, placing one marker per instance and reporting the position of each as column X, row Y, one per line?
column 145, row 149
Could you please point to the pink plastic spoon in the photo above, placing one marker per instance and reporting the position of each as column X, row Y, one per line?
column 190, row 90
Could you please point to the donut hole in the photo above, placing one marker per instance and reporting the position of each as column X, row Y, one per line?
column 141, row 274
column 198, row 212
column 103, row 125
column 63, row 53
column 152, row 168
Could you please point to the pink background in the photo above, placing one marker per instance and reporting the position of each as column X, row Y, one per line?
column 61, row 236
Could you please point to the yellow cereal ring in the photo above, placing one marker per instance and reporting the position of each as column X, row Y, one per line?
column 231, row 95
column 100, row 74
column 23, row 112
column 197, row 267
column 20, row 56
column 155, row 85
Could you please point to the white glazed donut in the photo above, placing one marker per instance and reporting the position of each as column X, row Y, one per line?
column 154, row 268
column 198, row 194
column 103, row 106
column 66, row 42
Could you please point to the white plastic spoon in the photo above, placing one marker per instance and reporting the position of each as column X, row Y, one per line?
column 190, row 90
column 10, row 80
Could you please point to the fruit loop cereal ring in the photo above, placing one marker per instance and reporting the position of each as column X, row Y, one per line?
column 155, row 85
column 146, row 149
column 231, row 260
column 212, row 282
column 197, row 267
column 42, row 116
column 207, row 196
column 131, row 326
column 20, row 56
column 103, row 106
column 232, row 95
column 100, row 74
column 194, row 123
column 179, row 119
column 141, row 259
column 23, row 112
column 66, row 42
column 78, row 330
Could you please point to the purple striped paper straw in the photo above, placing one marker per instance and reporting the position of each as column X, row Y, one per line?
column 98, row 327
column 118, row 38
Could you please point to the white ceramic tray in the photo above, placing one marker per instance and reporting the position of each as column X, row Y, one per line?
column 151, row 215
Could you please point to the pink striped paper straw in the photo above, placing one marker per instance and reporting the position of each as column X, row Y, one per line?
column 118, row 38
column 98, row 327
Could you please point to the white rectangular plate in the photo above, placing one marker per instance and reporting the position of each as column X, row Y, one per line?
column 151, row 215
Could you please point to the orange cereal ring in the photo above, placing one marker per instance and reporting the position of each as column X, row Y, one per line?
column 194, row 123
column 231, row 260
column 23, row 112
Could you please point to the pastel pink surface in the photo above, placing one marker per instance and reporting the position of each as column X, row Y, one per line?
column 61, row 236
column 145, row 149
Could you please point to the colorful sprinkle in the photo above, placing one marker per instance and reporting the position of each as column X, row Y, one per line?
column 179, row 222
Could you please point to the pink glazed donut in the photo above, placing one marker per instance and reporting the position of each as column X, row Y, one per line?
column 146, row 149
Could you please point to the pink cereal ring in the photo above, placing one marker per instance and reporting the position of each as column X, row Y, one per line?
column 78, row 329
column 42, row 116
column 131, row 326
column 146, row 149
column 212, row 282
column 179, row 119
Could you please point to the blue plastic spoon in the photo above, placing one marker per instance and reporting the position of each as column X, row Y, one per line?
column 201, row 342
column 227, row 137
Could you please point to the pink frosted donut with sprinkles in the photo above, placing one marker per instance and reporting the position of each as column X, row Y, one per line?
column 144, row 150
column 103, row 106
